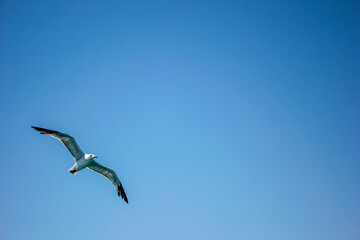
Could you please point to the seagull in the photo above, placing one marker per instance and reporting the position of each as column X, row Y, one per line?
column 84, row 160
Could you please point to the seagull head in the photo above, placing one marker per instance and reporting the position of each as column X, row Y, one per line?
column 91, row 156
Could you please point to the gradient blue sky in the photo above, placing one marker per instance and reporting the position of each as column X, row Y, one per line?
column 223, row 119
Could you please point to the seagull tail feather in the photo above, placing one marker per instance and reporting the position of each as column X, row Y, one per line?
column 73, row 170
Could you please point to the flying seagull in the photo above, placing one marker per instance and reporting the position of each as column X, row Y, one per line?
column 84, row 160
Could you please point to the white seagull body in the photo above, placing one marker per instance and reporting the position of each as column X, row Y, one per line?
column 84, row 160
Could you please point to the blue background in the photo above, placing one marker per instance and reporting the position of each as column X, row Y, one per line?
column 223, row 119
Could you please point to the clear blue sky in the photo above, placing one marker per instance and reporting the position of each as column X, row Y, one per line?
column 223, row 119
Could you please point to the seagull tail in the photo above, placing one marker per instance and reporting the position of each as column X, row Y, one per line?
column 73, row 170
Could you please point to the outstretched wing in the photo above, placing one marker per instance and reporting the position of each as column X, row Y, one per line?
column 66, row 139
column 111, row 175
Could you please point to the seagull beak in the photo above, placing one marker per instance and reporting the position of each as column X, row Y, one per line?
column 95, row 157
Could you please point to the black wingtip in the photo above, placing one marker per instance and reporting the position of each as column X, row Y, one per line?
column 121, row 192
column 44, row 130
